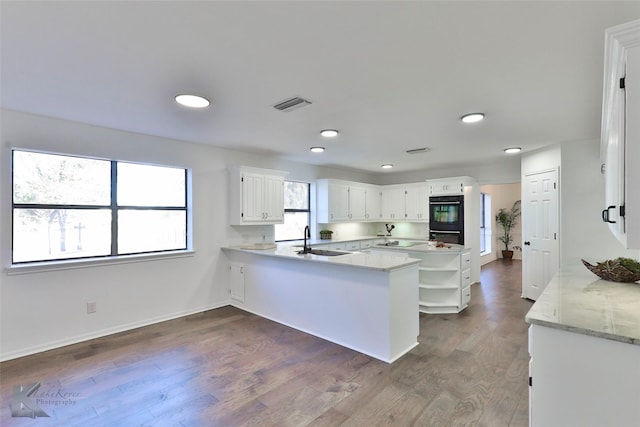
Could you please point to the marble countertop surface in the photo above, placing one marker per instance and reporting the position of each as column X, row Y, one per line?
column 421, row 245
column 576, row 300
column 354, row 259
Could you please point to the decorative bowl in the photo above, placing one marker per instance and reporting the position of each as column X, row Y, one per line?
column 613, row 270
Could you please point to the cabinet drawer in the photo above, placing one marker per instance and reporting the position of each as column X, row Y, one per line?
column 465, row 278
column 352, row 246
column 465, row 260
column 366, row 244
column 466, row 295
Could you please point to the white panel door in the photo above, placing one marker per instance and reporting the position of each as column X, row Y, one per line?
column 540, row 254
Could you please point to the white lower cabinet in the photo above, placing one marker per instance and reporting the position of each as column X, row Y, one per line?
column 236, row 281
column 443, row 286
column 582, row 380
column 353, row 246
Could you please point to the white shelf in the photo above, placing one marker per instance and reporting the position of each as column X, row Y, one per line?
column 438, row 287
column 441, row 282
column 437, row 269
column 438, row 304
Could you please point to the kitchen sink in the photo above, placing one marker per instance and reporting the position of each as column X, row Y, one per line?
column 325, row 252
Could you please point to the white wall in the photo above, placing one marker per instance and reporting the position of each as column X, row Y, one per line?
column 584, row 234
column 44, row 310
column 502, row 196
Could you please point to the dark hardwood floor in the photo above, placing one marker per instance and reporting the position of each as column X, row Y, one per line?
column 226, row 367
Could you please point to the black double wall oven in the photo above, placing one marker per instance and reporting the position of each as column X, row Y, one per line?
column 446, row 219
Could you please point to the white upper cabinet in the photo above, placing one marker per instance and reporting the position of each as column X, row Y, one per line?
column 417, row 202
column 337, row 208
column 373, row 203
column 346, row 201
column 620, row 139
column 444, row 187
column 357, row 203
column 406, row 202
column 392, row 203
column 256, row 196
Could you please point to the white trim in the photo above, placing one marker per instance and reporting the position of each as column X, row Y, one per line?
column 70, row 264
column 104, row 332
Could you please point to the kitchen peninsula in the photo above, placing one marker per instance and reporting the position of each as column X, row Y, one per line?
column 366, row 302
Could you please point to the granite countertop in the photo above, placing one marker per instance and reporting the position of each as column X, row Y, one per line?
column 354, row 259
column 578, row 301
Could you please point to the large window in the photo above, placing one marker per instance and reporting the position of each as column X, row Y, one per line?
column 68, row 207
column 296, row 211
column 485, row 223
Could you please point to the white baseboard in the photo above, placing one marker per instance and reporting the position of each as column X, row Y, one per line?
column 104, row 332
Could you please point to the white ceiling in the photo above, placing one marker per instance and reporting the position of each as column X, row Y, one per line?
column 390, row 75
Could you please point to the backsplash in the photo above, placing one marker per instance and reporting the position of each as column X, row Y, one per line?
column 354, row 230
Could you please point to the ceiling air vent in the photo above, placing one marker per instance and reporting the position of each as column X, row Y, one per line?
column 418, row 150
column 291, row 104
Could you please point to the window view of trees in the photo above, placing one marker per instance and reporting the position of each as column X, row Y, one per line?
column 63, row 207
column 296, row 211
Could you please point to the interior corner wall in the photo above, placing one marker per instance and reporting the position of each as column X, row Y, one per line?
column 40, row 311
column 502, row 196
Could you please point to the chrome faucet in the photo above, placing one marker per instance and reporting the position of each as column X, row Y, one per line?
column 307, row 235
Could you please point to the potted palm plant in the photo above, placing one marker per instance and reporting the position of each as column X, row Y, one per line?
column 507, row 219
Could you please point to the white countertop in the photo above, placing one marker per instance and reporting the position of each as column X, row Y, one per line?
column 355, row 259
column 576, row 300
column 423, row 247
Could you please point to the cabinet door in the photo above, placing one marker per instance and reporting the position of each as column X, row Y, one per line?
column 373, row 204
column 252, row 197
column 417, row 202
column 338, row 202
column 392, row 204
column 443, row 188
column 273, row 198
column 621, row 132
column 236, row 281
column 357, row 203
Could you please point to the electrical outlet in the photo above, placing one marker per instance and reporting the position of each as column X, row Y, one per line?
column 91, row 307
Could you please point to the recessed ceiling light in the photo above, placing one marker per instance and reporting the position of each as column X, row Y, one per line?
column 512, row 150
column 472, row 118
column 192, row 101
column 329, row 133
column 317, row 149
column 387, row 166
